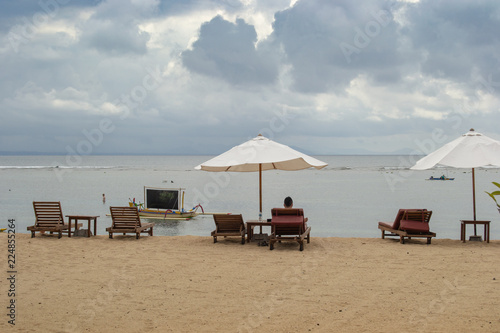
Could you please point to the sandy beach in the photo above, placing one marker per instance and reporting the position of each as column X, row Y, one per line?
column 190, row 284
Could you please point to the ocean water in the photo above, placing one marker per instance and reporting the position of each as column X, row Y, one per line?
column 345, row 199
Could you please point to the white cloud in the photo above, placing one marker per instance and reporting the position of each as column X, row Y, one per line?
column 175, row 32
column 226, row 70
column 31, row 98
column 429, row 114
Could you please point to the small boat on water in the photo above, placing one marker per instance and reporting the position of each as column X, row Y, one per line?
column 440, row 178
column 164, row 203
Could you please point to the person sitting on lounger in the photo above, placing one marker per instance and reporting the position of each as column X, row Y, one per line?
column 288, row 203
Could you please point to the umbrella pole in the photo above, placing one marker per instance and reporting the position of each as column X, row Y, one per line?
column 260, row 190
column 474, row 199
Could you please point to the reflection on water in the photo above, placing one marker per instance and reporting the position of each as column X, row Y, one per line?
column 201, row 225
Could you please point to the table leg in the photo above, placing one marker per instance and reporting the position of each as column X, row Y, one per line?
column 69, row 226
column 487, row 232
column 95, row 226
column 88, row 230
column 249, row 231
column 462, row 232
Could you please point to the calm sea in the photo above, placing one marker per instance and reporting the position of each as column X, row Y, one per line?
column 345, row 199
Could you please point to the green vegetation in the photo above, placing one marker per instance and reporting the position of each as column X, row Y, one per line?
column 494, row 193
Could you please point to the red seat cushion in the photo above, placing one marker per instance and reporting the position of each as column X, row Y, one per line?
column 288, row 217
column 398, row 218
column 387, row 225
column 287, row 220
column 416, row 226
column 401, row 215
column 287, row 211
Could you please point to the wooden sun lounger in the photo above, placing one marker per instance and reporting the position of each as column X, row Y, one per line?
column 49, row 217
column 287, row 224
column 409, row 223
column 229, row 225
column 126, row 220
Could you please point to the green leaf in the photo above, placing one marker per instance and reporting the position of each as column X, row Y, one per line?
column 492, row 195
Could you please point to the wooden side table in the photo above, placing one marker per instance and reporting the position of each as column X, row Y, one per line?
column 486, row 229
column 253, row 223
column 88, row 218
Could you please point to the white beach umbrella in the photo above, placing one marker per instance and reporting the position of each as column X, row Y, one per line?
column 471, row 150
column 260, row 154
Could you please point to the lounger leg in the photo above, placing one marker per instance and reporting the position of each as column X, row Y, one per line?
column 111, row 235
column 383, row 234
column 301, row 246
column 428, row 240
column 32, row 234
column 215, row 239
column 401, row 239
column 243, row 240
column 137, row 235
column 60, row 234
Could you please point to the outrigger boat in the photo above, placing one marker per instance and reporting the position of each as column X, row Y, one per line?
column 440, row 178
column 164, row 203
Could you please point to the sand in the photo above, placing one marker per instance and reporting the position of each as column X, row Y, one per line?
column 190, row 284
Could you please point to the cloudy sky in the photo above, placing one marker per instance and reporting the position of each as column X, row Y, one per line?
column 200, row 76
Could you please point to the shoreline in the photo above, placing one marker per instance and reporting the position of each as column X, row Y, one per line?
column 188, row 283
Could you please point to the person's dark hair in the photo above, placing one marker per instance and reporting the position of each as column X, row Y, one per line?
column 288, row 201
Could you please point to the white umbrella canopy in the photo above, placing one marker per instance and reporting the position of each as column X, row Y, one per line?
column 471, row 150
column 260, row 154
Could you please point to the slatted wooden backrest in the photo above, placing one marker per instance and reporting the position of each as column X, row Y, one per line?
column 48, row 214
column 427, row 215
column 125, row 217
column 229, row 222
column 421, row 215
